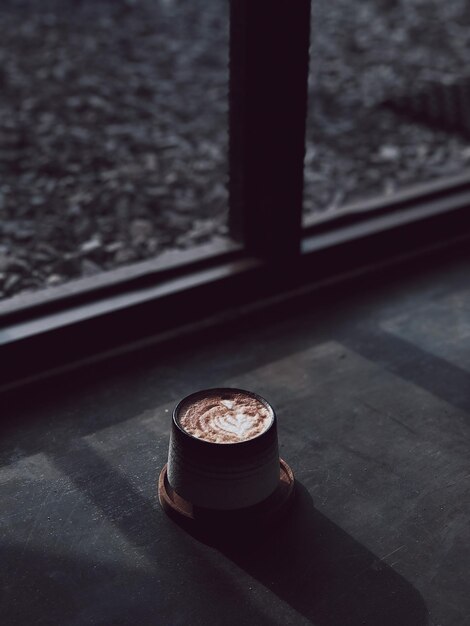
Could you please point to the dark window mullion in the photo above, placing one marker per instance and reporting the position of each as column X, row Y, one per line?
column 269, row 50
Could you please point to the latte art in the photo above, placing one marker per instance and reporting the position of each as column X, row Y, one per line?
column 230, row 418
column 238, row 424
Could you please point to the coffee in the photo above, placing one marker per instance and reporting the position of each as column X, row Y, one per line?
column 228, row 417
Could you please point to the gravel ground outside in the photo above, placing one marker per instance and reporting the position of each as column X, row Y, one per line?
column 113, row 122
column 362, row 54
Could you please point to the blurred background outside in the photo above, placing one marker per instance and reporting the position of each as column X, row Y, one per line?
column 113, row 122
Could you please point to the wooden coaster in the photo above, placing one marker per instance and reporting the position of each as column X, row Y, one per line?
column 263, row 513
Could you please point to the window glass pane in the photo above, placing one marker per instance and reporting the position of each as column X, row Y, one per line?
column 113, row 134
column 387, row 98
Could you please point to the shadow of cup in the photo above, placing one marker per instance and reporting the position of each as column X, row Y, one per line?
column 321, row 571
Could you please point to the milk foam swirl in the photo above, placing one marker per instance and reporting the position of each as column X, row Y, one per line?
column 227, row 418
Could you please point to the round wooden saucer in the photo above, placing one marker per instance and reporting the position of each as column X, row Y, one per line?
column 263, row 513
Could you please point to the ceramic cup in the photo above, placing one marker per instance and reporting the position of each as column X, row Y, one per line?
column 223, row 476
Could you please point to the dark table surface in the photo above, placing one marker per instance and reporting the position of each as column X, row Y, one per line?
column 371, row 383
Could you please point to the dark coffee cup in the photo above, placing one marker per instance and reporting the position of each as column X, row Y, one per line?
column 224, row 476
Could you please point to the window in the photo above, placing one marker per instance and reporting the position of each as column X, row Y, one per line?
column 269, row 46
column 113, row 131
column 387, row 107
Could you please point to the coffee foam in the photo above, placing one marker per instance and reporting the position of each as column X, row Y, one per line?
column 229, row 417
